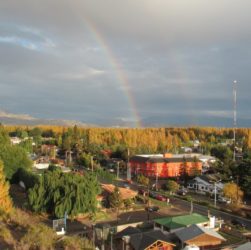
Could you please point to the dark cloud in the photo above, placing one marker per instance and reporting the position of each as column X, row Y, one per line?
column 86, row 60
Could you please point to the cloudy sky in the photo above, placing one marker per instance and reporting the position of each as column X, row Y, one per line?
column 126, row 62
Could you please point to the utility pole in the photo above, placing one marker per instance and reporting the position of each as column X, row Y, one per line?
column 191, row 206
column 237, row 189
column 92, row 163
column 117, row 169
column 128, row 177
column 235, row 118
column 215, row 195
column 157, row 175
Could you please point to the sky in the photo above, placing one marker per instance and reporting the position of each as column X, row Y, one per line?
column 127, row 62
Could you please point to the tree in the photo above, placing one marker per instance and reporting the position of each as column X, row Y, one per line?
column 57, row 193
column 143, row 180
column 195, row 171
column 4, row 137
column 128, row 203
column 223, row 153
column 5, row 201
column 233, row 192
column 183, row 172
column 14, row 157
column 115, row 199
column 172, row 186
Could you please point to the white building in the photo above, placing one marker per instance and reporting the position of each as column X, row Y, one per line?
column 202, row 184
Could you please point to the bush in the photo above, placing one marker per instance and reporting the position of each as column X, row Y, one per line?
column 38, row 236
column 203, row 203
column 75, row 243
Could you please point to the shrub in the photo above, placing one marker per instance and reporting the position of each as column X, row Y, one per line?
column 75, row 243
column 38, row 236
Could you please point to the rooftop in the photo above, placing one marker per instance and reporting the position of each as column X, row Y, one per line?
column 194, row 231
column 181, row 221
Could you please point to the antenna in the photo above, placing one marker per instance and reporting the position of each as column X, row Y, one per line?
column 235, row 118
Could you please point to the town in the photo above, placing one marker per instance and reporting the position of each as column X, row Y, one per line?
column 125, row 125
column 159, row 188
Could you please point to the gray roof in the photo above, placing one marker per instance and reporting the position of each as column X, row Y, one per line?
column 141, row 241
column 194, row 231
column 127, row 231
column 246, row 246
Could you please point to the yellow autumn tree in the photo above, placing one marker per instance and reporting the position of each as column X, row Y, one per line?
column 5, row 201
column 233, row 192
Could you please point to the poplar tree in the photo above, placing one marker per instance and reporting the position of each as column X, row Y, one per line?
column 5, row 201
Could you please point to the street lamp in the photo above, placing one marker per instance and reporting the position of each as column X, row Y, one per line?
column 102, row 232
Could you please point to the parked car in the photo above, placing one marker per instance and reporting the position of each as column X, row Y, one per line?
column 224, row 200
column 142, row 192
column 152, row 209
column 160, row 197
column 237, row 223
column 153, row 195
column 182, row 191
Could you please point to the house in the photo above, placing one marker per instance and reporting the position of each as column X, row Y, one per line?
column 199, row 236
column 206, row 184
column 41, row 163
column 15, row 140
column 134, row 239
column 164, row 165
column 175, row 223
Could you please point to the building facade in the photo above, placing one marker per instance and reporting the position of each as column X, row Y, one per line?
column 164, row 166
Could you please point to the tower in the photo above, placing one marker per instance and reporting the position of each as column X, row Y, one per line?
column 235, row 118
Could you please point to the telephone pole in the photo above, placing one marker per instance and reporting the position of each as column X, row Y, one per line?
column 235, row 118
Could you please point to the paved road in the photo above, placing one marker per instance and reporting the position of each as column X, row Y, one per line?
column 185, row 205
column 138, row 216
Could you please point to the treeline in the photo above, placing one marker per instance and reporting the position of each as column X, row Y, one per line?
column 147, row 139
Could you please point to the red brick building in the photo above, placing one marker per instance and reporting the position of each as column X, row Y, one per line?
column 166, row 165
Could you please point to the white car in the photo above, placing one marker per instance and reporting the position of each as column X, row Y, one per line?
column 224, row 200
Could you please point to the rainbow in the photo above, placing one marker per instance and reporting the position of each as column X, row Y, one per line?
column 121, row 74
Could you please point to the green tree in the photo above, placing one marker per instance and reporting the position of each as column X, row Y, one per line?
column 4, row 137
column 57, row 193
column 143, row 180
column 14, row 158
column 223, row 153
column 184, row 172
column 172, row 186
column 128, row 203
column 115, row 199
